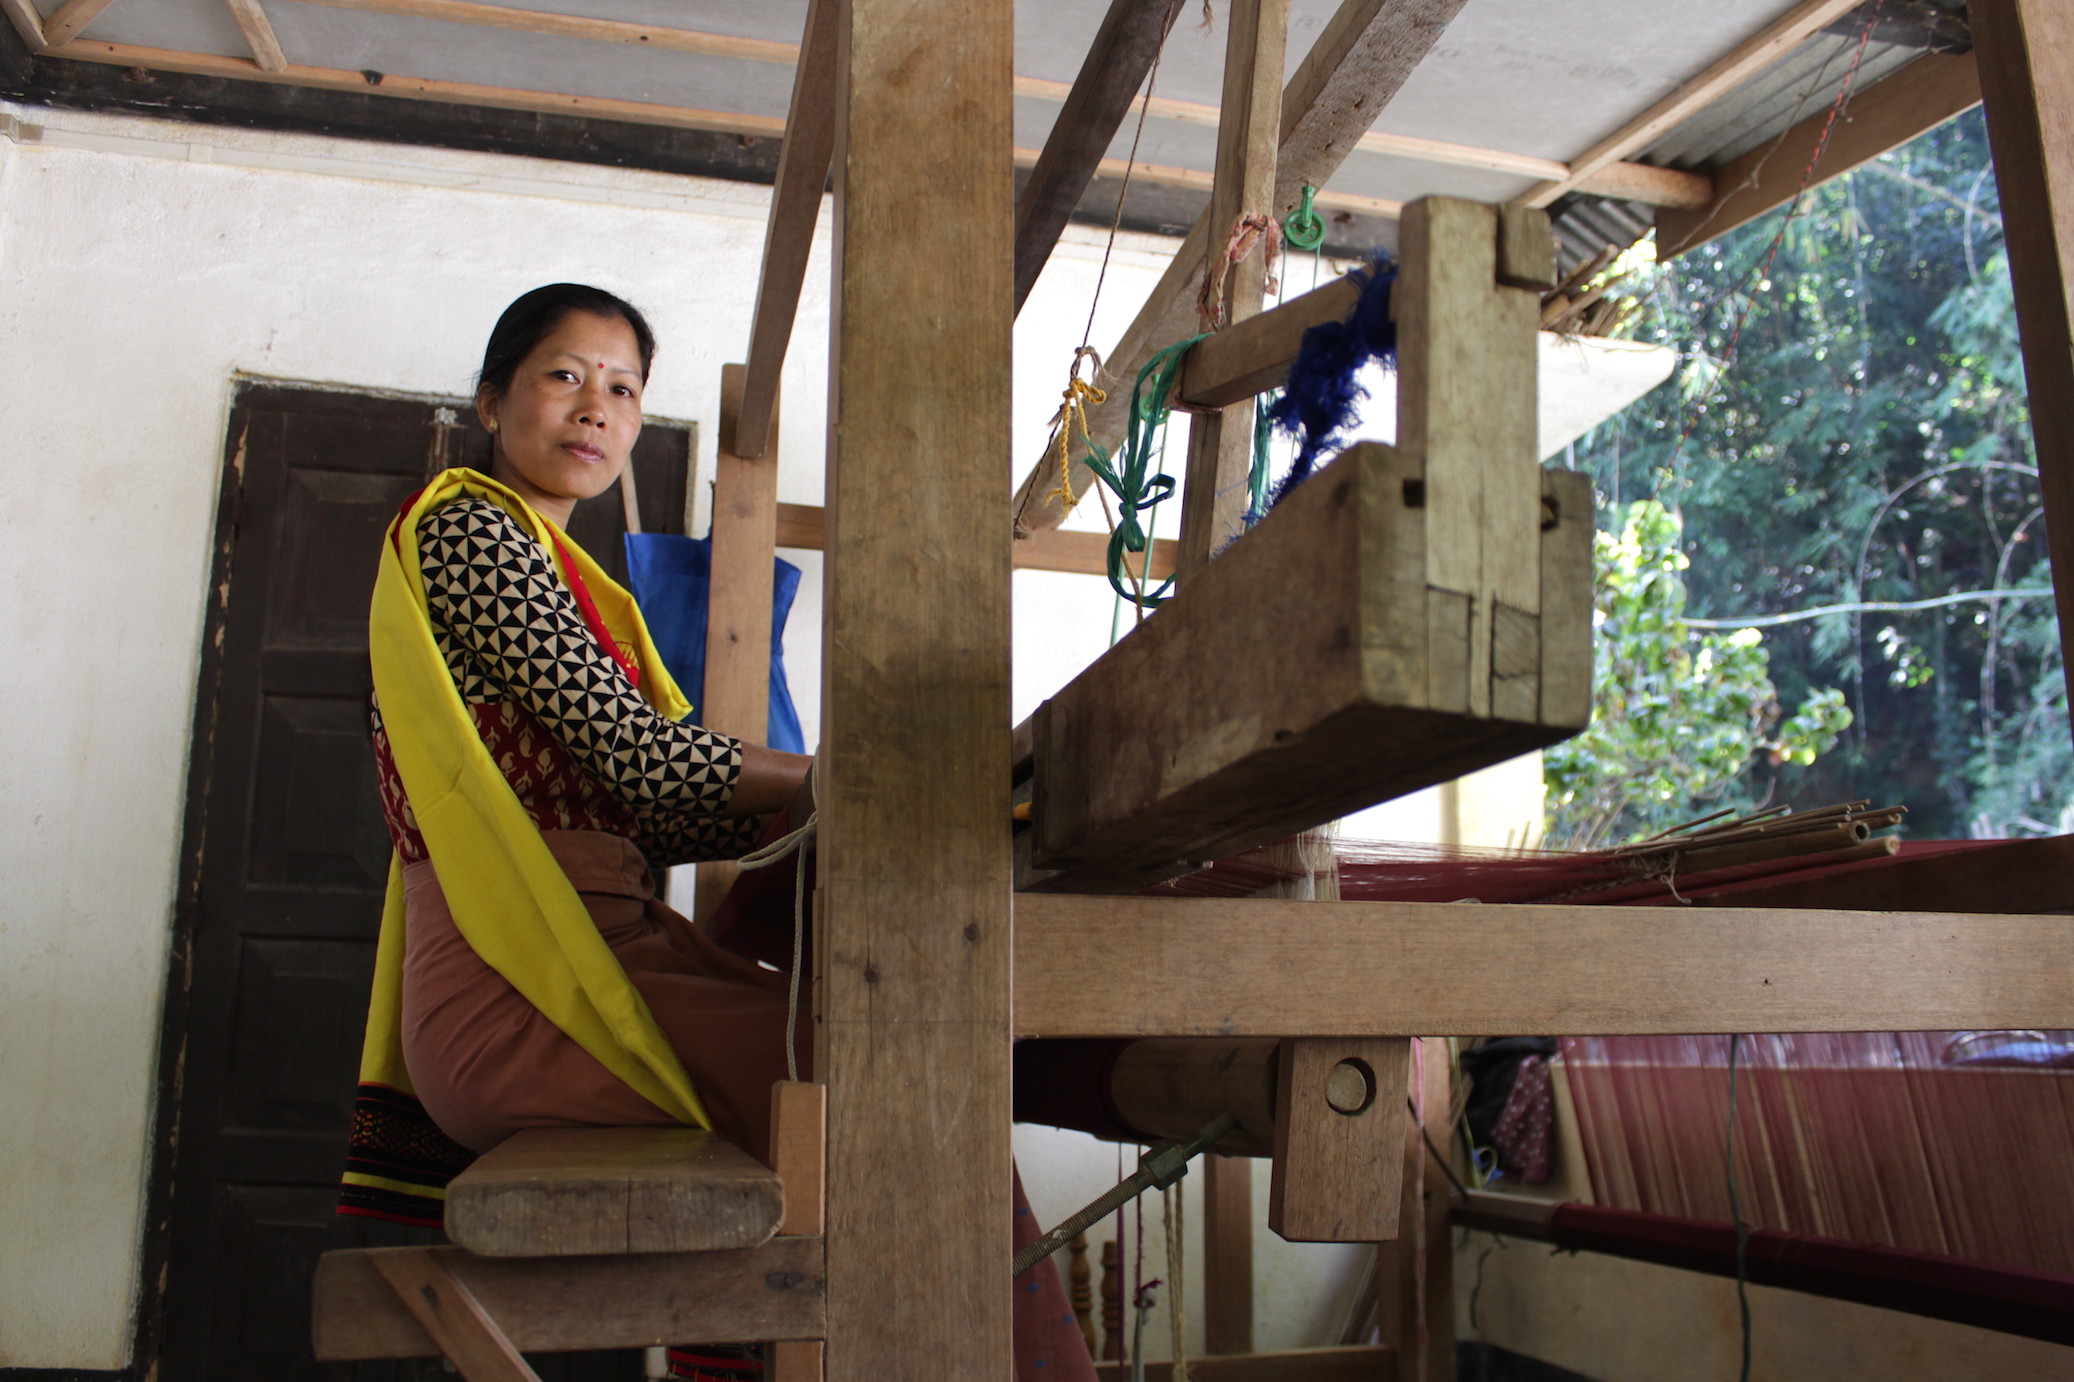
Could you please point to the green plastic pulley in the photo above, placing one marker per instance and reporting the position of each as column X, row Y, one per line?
column 1303, row 228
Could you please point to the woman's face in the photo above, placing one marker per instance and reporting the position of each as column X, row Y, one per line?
column 564, row 428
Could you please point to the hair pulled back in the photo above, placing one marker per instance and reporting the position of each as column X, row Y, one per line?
column 532, row 315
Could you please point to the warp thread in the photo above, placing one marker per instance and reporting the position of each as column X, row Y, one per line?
column 1320, row 398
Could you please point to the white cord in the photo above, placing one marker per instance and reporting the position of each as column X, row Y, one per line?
column 795, row 844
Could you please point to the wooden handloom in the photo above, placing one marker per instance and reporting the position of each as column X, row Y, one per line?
column 1428, row 605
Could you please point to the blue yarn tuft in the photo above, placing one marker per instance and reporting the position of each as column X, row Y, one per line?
column 1319, row 399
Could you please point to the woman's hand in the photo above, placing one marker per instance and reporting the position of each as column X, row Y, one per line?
column 770, row 780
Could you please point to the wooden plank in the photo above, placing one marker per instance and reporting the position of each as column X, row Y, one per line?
column 259, row 34
column 1926, row 93
column 1290, row 684
column 1132, row 966
column 1220, row 444
column 2025, row 49
column 788, row 236
column 738, row 600
column 797, row 1361
column 1355, row 66
column 1339, row 1139
column 27, row 22
column 1359, row 1363
column 1526, row 248
column 1415, row 1279
column 417, row 88
column 549, row 1192
column 912, row 930
column 72, row 16
column 799, row 1154
column 556, row 1304
column 1110, row 75
column 1748, row 58
column 1054, row 549
column 1255, row 354
column 2008, row 876
column 577, row 26
column 1227, row 1254
column 450, row 1313
column 1629, row 181
column 1466, row 404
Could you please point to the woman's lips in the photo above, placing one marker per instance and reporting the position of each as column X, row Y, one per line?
column 583, row 451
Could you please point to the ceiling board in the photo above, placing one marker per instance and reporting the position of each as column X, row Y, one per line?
column 1546, row 78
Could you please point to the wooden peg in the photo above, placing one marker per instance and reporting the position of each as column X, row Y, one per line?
column 454, row 1318
column 1339, row 1139
column 799, row 1149
column 1526, row 248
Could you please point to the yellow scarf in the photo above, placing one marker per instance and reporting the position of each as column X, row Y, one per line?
column 510, row 899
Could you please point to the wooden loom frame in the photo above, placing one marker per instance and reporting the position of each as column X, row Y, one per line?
column 929, row 964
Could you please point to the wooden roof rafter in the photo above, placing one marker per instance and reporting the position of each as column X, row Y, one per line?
column 1618, row 179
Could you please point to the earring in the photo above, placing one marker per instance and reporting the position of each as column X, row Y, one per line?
column 493, row 426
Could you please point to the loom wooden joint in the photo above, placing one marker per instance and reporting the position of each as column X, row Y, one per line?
column 1408, row 615
column 1339, row 1139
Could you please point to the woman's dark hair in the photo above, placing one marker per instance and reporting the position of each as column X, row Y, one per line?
column 534, row 314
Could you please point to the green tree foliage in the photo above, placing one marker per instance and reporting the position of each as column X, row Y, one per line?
column 1849, row 425
column 1678, row 714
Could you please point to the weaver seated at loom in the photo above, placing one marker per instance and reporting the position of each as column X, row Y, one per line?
column 536, row 763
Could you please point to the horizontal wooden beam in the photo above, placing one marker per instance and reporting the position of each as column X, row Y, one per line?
column 804, row 526
column 416, row 88
column 1138, row 966
column 555, row 1304
column 1356, row 1363
column 1890, row 112
column 1634, row 182
column 1255, row 354
column 1764, row 48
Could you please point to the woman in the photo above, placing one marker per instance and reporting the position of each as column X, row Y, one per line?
column 535, row 761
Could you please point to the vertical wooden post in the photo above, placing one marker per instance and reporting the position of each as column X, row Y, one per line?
column 2025, row 53
column 1465, row 406
column 912, row 928
column 1419, row 1265
column 737, row 698
column 1227, row 1254
column 1220, row 444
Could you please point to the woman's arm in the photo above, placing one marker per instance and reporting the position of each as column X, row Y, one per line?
column 494, row 590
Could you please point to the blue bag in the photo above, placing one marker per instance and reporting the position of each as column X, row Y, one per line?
column 670, row 577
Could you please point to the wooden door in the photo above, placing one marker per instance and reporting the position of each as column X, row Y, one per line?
column 283, row 869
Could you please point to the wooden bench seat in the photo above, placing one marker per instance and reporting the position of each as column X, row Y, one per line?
column 579, row 1192
column 587, row 1238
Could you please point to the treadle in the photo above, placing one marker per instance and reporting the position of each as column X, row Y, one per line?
column 574, row 1192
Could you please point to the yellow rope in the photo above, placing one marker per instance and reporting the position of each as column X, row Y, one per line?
column 1079, row 393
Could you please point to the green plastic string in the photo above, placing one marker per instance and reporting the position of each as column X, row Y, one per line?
column 1136, row 488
